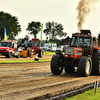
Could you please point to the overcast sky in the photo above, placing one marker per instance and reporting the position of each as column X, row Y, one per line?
column 60, row 11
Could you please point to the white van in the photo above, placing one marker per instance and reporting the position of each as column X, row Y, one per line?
column 49, row 47
column 53, row 47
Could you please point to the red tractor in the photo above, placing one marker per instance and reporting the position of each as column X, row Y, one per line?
column 33, row 48
column 35, row 45
column 83, row 53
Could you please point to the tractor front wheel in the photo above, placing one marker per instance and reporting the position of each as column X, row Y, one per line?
column 57, row 64
column 85, row 66
column 40, row 53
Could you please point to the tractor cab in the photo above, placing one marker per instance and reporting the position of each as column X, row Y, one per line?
column 84, row 41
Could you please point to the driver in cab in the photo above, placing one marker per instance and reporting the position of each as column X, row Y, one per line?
column 83, row 43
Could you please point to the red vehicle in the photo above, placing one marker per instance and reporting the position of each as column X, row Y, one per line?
column 8, row 48
column 34, row 47
column 82, row 54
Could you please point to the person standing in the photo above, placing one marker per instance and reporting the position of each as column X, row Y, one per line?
column 25, row 47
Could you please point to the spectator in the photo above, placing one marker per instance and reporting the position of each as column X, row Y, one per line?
column 25, row 47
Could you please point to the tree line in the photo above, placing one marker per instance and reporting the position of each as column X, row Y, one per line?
column 13, row 28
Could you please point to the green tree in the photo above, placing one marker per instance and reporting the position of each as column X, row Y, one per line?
column 26, row 37
column 10, row 23
column 34, row 28
column 47, row 30
column 53, row 30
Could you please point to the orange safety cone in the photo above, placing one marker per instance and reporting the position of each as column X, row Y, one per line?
column 46, row 52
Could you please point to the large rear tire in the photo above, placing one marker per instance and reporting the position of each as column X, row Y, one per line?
column 84, row 66
column 57, row 64
column 39, row 53
column 95, row 63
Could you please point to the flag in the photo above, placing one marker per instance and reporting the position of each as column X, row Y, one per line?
column 5, row 38
column 41, row 31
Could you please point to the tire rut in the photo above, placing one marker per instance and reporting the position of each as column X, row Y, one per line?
column 25, row 81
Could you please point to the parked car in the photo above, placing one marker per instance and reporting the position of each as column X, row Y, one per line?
column 53, row 47
column 49, row 47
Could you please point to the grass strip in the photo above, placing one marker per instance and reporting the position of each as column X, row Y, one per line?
column 25, row 61
column 88, row 95
column 49, row 53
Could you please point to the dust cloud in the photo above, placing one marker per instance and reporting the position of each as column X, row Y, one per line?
column 84, row 8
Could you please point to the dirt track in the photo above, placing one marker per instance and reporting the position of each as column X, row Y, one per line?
column 31, row 80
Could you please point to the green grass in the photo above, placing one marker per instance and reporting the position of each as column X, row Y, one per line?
column 88, row 95
column 49, row 53
column 25, row 61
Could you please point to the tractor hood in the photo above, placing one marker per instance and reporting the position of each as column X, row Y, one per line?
column 4, row 48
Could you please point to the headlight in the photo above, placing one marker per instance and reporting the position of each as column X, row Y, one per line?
column 66, row 55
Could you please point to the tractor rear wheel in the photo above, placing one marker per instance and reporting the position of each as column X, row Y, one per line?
column 39, row 53
column 57, row 64
column 85, row 66
column 95, row 63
